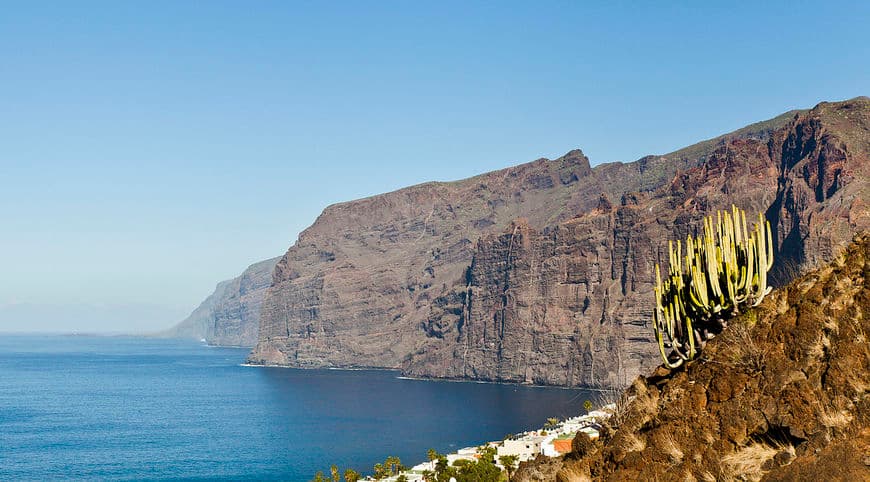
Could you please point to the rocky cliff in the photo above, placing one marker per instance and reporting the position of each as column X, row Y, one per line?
column 570, row 304
column 542, row 273
column 781, row 394
column 358, row 287
column 230, row 316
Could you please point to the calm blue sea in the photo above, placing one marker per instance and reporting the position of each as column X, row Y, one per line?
column 74, row 407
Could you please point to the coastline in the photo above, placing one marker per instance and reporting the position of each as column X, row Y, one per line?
column 524, row 446
column 347, row 369
column 421, row 379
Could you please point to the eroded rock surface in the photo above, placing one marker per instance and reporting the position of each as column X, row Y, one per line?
column 541, row 273
column 570, row 304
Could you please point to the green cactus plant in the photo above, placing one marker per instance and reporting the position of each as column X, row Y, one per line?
column 723, row 271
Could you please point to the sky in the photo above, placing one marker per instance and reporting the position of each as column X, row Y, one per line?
column 150, row 149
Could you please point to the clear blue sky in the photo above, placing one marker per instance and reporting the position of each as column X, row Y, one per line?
column 151, row 149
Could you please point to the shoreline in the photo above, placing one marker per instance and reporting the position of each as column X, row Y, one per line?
column 431, row 379
column 346, row 369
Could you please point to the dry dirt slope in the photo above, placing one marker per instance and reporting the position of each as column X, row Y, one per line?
column 782, row 395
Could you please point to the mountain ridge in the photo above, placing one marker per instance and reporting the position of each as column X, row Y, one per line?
column 383, row 281
column 389, row 281
column 569, row 305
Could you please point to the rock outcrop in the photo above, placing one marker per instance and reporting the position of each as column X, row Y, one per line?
column 781, row 395
column 542, row 273
column 230, row 316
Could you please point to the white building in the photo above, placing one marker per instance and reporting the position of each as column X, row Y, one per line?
column 525, row 448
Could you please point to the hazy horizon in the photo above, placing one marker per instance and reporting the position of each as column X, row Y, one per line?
column 154, row 150
column 133, row 318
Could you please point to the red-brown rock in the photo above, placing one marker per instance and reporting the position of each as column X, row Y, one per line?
column 542, row 273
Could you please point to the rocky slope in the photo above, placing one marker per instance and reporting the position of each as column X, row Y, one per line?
column 541, row 273
column 781, row 395
column 230, row 316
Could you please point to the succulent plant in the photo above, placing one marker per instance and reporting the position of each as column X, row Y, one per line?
column 722, row 272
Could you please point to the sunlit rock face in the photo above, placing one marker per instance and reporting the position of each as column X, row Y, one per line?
column 541, row 273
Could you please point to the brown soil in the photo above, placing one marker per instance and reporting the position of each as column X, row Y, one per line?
column 781, row 395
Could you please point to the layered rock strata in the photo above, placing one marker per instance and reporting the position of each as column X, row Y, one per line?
column 542, row 273
column 230, row 316
column 570, row 304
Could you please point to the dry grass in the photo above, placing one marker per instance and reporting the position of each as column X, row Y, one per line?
column 708, row 437
column 573, row 473
column 747, row 463
column 860, row 386
column 835, row 418
column 670, row 448
column 706, row 476
column 744, row 353
column 633, row 443
column 641, row 409
column 837, row 414
column 830, row 324
column 617, row 402
column 817, row 350
column 861, row 336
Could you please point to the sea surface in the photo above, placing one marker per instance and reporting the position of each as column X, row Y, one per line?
column 81, row 407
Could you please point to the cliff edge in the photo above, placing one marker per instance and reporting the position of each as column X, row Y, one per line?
column 541, row 273
column 569, row 304
column 230, row 316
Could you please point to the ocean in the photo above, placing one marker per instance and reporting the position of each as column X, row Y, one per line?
column 87, row 407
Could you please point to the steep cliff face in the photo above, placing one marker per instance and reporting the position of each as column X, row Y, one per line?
column 200, row 321
column 359, row 285
column 542, row 273
column 230, row 316
column 570, row 304
column 824, row 181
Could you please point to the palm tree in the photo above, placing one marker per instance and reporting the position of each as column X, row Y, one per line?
column 433, row 455
column 441, row 465
column 380, row 472
column 392, row 464
column 508, row 461
column 351, row 475
column 552, row 422
column 334, row 472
